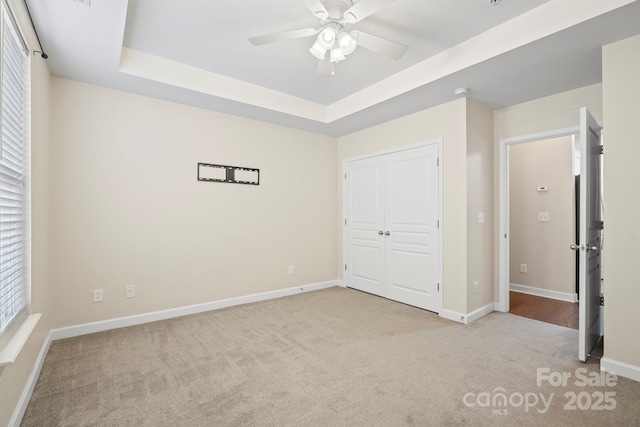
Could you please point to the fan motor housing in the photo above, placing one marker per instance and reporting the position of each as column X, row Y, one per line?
column 336, row 8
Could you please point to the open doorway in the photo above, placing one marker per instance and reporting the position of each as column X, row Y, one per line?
column 588, row 136
column 542, row 223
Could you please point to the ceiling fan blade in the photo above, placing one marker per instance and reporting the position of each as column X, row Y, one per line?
column 285, row 35
column 364, row 8
column 325, row 68
column 379, row 45
column 317, row 8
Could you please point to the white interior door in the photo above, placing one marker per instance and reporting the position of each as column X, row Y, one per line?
column 591, row 227
column 411, row 227
column 392, row 246
column 364, row 219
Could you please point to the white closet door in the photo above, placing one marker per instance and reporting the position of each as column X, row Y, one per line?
column 411, row 216
column 391, row 230
column 364, row 210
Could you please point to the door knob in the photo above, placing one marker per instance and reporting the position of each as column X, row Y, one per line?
column 380, row 233
column 574, row 247
column 387, row 233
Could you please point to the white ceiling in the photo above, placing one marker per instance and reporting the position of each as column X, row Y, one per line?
column 197, row 52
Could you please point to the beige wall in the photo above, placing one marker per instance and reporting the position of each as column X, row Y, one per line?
column 14, row 378
column 543, row 246
column 479, row 199
column 129, row 210
column 621, row 108
column 557, row 111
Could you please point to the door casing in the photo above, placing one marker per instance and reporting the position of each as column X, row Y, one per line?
column 503, row 237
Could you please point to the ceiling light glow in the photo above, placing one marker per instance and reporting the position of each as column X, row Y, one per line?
column 334, row 39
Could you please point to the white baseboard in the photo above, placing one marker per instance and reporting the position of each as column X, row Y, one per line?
column 465, row 319
column 453, row 315
column 546, row 293
column 23, row 402
column 620, row 368
column 481, row 312
column 122, row 322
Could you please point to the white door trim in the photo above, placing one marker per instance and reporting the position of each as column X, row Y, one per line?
column 503, row 180
column 439, row 141
column 395, row 150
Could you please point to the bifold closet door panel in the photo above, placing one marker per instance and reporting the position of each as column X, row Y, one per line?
column 364, row 208
column 411, row 216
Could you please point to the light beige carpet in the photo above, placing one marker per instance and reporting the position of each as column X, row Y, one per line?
column 331, row 357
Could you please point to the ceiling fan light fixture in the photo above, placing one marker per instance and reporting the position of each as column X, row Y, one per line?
column 346, row 43
column 336, row 55
column 331, row 36
column 350, row 17
column 318, row 51
column 327, row 38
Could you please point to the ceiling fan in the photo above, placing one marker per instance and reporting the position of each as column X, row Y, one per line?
column 333, row 38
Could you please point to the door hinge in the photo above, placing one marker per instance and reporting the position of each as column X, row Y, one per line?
column 345, row 267
column 599, row 225
column 602, row 301
column 438, row 223
column 437, row 161
column 601, row 149
column 345, row 221
column 345, row 176
column 438, row 287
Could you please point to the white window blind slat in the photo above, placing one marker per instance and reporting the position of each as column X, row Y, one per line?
column 13, row 243
column 15, row 279
column 11, row 129
column 11, row 154
column 11, row 182
column 13, row 92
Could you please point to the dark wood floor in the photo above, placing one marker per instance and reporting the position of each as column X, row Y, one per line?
column 544, row 309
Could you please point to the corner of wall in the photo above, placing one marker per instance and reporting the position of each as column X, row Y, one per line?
column 480, row 206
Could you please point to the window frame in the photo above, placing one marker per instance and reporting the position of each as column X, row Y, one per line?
column 18, row 327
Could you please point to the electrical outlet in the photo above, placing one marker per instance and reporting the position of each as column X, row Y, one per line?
column 543, row 216
column 130, row 291
column 291, row 269
column 97, row 295
column 523, row 268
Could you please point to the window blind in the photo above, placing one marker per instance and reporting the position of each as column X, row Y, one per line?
column 14, row 298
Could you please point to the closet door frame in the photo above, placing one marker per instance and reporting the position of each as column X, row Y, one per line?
column 345, row 243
